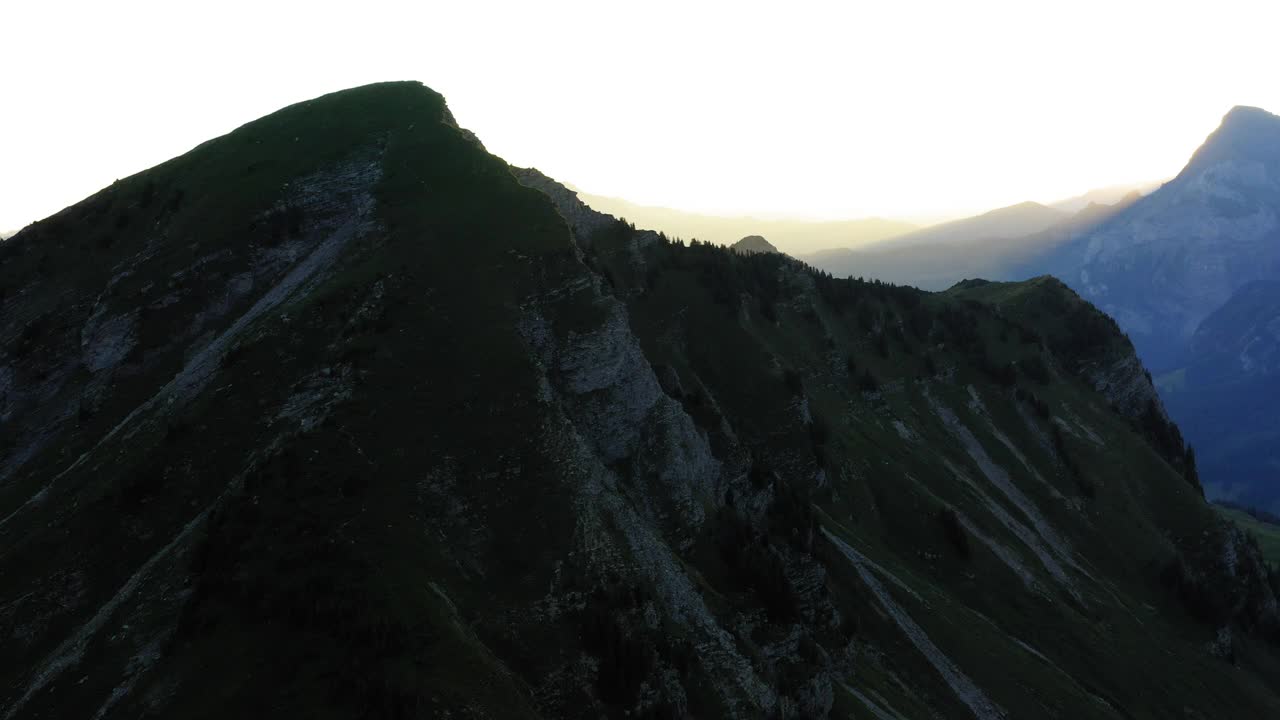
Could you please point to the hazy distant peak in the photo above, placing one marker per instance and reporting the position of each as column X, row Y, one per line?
column 1025, row 206
column 1112, row 195
column 1246, row 133
column 1096, row 211
column 753, row 244
column 1246, row 123
column 1248, row 113
column 1024, row 218
column 1028, row 208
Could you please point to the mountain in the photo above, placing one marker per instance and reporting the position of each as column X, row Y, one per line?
column 794, row 237
column 1104, row 196
column 1171, row 259
column 753, row 244
column 1241, row 339
column 340, row 415
column 1003, row 223
column 994, row 246
column 1188, row 272
column 1226, row 396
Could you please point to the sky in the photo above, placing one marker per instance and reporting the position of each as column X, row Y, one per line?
column 798, row 109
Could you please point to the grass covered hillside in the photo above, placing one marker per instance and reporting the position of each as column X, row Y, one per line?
column 340, row 415
column 1264, row 528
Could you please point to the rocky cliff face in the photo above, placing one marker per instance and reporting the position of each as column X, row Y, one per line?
column 340, row 414
column 584, row 221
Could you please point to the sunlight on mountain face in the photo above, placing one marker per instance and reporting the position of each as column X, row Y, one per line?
column 818, row 110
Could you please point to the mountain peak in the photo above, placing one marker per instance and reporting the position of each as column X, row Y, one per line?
column 754, row 244
column 1028, row 205
column 1247, row 124
column 1245, row 132
column 300, row 344
column 1248, row 113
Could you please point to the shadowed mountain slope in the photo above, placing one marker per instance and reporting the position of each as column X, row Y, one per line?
column 340, row 415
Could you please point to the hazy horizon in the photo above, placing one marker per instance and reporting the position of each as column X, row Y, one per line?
column 805, row 112
column 923, row 219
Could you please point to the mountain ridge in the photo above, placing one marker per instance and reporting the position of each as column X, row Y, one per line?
column 1012, row 221
column 932, row 265
column 342, row 415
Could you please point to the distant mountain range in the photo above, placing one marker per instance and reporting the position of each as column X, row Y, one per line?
column 936, row 257
column 1007, row 222
column 997, row 245
column 1104, row 196
column 794, row 237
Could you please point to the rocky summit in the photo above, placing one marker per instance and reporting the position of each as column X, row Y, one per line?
column 339, row 415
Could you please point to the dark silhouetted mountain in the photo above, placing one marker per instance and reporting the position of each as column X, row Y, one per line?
column 753, row 244
column 339, row 415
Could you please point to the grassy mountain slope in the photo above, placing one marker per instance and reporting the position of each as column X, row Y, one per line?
column 1263, row 528
column 336, row 415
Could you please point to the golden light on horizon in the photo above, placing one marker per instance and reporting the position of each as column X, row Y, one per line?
column 832, row 110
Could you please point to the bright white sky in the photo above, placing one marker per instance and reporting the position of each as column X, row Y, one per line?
column 840, row 109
